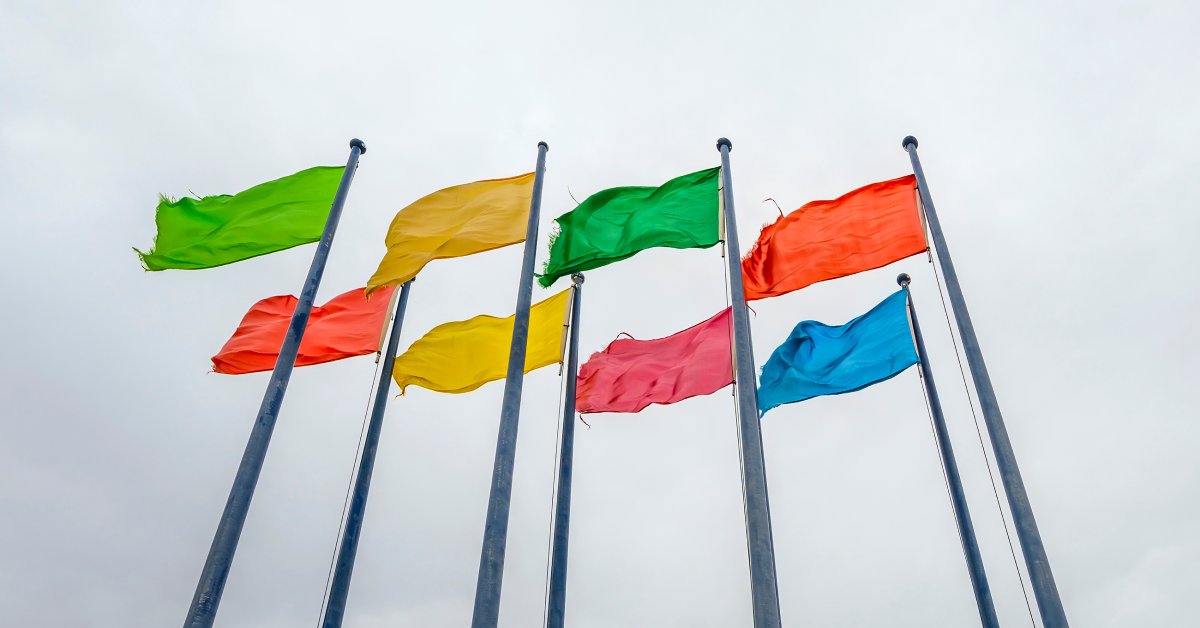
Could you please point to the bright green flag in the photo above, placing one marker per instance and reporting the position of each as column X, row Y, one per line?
column 217, row 230
column 614, row 224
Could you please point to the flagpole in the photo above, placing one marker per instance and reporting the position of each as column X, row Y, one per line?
column 335, row 607
column 203, row 610
column 1049, row 604
column 764, row 589
column 557, row 605
column 495, row 531
column 962, row 515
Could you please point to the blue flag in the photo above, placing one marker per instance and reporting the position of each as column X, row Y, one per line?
column 819, row 359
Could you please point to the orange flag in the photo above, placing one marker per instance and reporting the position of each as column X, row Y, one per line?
column 346, row 326
column 868, row 228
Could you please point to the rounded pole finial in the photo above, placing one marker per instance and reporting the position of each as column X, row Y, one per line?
column 724, row 141
column 577, row 278
column 362, row 147
column 903, row 279
column 543, row 145
column 908, row 139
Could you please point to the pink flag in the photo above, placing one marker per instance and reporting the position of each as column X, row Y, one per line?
column 632, row 374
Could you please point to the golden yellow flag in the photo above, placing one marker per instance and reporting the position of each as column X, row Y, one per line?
column 461, row 356
column 459, row 220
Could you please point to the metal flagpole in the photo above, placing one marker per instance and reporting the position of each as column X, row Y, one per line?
column 1049, row 604
column 557, row 606
column 495, row 530
column 763, row 586
column 335, row 608
column 962, row 515
column 220, row 556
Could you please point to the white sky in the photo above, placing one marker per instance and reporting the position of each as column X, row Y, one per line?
column 1060, row 144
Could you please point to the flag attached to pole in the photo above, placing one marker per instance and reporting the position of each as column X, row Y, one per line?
column 461, row 356
column 346, row 326
column 217, row 230
column 819, row 359
column 617, row 223
column 867, row 228
column 457, row 221
column 630, row 374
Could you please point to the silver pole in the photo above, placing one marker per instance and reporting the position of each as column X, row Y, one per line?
column 761, row 546
column 495, row 531
column 958, row 498
column 335, row 608
column 1044, row 589
column 557, row 605
column 203, row 610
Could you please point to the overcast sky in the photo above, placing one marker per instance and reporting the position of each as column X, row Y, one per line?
column 1060, row 142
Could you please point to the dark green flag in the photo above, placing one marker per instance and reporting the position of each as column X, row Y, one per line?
column 614, row 224
column 218, row 230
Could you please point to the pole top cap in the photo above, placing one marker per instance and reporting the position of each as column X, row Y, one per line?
column 724, row 141
column 903, row 280
column 577, row 278
column 543, row 145
column 362, row 147
column 908, row 139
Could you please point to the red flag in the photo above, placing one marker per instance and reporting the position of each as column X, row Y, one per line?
column 868, row 228
column 346, row 326
column 632, row 374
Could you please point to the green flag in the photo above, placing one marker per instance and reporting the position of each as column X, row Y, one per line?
column 614, row 224
column 217, row 230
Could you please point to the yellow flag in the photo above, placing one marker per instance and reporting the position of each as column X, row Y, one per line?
column 459, row 220
column 461, row 356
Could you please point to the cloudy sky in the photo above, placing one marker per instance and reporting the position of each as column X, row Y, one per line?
column 1060, row 143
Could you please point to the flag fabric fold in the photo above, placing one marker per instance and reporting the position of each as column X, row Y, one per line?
column 461, row 356
column 865, row 229
column 348, row 325
column 617, row 223
column 217, row 230
column 630, row 374
column 819, row 359
column 457, row 221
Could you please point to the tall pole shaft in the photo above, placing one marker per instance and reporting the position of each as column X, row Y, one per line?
column 335, row 607
column 764, row 589
column 557, row 604
column 203, row 610
column 958, row 499
column 495, row 531
column 1044, row 589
